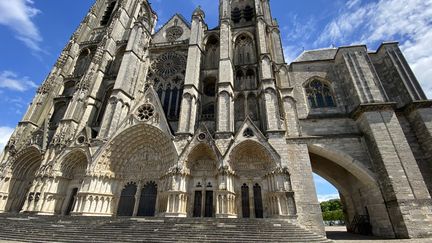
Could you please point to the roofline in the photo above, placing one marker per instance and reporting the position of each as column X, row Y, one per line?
column 341, row 48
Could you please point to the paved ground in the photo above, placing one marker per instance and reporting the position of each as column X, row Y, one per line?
column 339, row 234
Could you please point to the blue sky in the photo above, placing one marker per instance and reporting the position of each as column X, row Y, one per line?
column 32, row 35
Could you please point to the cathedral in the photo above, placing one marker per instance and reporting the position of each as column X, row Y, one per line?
column 188, row 121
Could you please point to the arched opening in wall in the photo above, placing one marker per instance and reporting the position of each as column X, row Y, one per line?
column 248, row 13
column 23, row 173
column 239, row 78
column 115, row 65
column 101, row 113
column 236, row 15
column 244, row 50
column 239, row 110
column 127, row 200
column 319, row 94
column 209, row 99
column 73, row 169
column 251, row 162
column 58, row 115
column 363, row 207
column 69, row 88
column 202, row 163
column 143, row 153
column 253, row 108
column 147, row 204
column 83, row 62
column 251, row 82
column 212, row 54
column 108, row 13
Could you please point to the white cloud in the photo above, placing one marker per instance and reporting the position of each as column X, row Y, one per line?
column 5, row 133
column 407, row 21
column 327, row 197
column 17, row 15
column 10, row 80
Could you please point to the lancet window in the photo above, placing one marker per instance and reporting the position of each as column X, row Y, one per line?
column 242, row 14
column 245, row 79
column 115, row 65
column 319, row 94
column 211, row 60
column 209, row 98
column 244, row 50
column 83, row 62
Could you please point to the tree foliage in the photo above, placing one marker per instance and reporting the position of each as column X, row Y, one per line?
column 332, row 210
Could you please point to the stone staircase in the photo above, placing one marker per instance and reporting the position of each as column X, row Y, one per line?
column 24, row 228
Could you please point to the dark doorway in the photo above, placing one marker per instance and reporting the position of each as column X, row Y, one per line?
column 258, row 202
column 127, row 200
column 208, row 204
column 197, row 204
column 147, row 205
column 245, row 201
column 71, row 201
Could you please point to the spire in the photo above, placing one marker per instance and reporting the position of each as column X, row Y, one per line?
column 198, row 12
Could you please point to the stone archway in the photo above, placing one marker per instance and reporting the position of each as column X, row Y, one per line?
column 360, row 194
column 73, row 170
column 14, row 187
column 202, row 164
column 139, row 154
column 253, row 165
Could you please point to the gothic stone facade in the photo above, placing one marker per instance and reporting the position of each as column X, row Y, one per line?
column 196, row 122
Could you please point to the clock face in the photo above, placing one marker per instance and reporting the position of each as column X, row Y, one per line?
column 174, row 33
column 169, row 64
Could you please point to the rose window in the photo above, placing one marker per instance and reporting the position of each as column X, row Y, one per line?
column 169, row 64
column 145, row 112
column 174, row 33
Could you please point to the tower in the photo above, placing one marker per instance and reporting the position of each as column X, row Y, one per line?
column 188, row 121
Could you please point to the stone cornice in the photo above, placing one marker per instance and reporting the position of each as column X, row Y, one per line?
column 372, row 107
column 415, row 105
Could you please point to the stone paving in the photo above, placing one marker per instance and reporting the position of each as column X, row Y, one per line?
column 339, row 234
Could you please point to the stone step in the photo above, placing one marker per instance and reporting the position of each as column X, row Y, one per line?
column 24, row 228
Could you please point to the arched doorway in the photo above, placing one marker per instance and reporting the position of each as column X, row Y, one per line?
column 147, row 204
column 73, row 169
column 127, row 200
column 251, row 162
column 259, row 211
column 143, row 156
column 202, row 163
column 23, row 173
column 359, row 191
column 245, row 201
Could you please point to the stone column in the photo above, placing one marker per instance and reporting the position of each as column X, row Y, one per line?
column 225, row 92
column 189, row 104
column 176, row 196
column 404, row 191
column 306, row 201
column 225, row 195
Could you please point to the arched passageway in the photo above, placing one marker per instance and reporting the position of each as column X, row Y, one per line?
column 17, row 184
column 361, row 197
column 202, row 163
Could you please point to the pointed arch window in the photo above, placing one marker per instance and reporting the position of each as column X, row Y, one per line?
column 236, row 15
column 244, row 50
column 319, row 94
column 248, row 13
